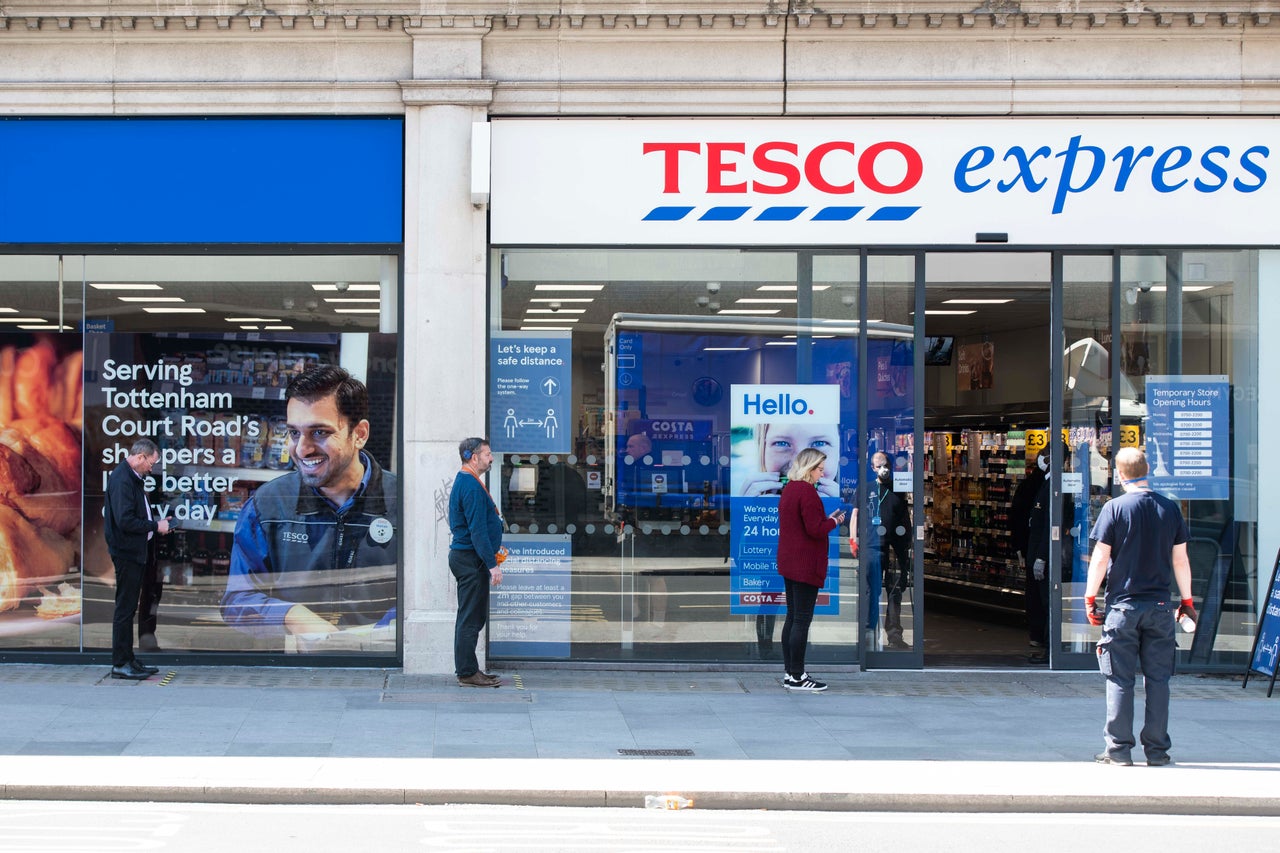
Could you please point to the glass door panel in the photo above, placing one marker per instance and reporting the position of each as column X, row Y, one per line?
column 986, row 414
column 1088, row 436
column 889, row 493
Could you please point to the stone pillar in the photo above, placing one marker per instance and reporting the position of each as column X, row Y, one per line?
column 445, row 306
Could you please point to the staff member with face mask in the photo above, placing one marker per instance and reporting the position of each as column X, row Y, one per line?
column 887, row 556
column 1037, row 581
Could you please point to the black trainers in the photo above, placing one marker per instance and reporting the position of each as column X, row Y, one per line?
column 1108, row 758
column 1159, row 760
column 804, row 684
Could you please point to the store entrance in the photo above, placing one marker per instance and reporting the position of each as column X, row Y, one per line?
column 986, row 418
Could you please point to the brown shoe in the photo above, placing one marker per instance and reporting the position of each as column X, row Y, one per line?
column 489, row 675
column 477, row 679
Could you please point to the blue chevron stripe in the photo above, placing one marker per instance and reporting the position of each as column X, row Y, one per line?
column 723, row 214
column 780, row 214
column 892, row 214
column 836, row 214
column 667, row 214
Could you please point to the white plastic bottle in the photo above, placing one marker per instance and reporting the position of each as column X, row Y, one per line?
column 667, row 801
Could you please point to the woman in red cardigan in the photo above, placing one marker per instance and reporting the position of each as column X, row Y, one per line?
column 803, row 528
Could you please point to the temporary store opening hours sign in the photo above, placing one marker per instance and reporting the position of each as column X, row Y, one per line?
column 529, row 393
column 1189, row 436
column 770, row 425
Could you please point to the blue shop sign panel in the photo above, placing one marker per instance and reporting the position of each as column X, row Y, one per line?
column 530, row 392
column 202, row 180
column 1188, row 436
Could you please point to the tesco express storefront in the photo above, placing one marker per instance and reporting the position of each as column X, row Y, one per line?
column 955, row 293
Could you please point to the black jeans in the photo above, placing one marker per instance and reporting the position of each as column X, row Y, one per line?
column 473, row 609
column 152, row 592
column 128, row 583
column 801, row 598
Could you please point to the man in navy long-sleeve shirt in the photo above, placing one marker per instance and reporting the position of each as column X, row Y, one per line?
column 476, row 527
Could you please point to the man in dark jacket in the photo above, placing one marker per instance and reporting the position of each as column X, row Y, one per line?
column 127, row 525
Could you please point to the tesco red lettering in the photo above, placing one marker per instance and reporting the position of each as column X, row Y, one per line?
column 777, row 168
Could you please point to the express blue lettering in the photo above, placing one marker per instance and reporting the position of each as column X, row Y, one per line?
column 1252, row 168
column 1128, row 159
column 1162, row 166
column 1025, row 174
column 966, row 165
column 1217, row 170
column 1074, row 149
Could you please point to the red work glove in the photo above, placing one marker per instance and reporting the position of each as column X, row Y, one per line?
column 1188, row 608
column 1096, row 615
column 853, row 547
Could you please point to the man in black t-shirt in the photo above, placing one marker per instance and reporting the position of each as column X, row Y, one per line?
column 1140, row 547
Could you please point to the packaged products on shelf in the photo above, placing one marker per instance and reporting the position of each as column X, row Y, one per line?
column 253, row 442
column 278, row 444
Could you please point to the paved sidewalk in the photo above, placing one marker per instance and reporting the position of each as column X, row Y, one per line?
column 935, row 741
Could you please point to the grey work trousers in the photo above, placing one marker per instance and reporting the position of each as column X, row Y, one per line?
column 1138, row 633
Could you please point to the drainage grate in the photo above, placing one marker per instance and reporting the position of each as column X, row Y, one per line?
column 657, row 753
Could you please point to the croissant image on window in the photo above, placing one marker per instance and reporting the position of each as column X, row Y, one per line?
column 41, row 399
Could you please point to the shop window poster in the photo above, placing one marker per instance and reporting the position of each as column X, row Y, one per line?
column 976, row 366
column 770, row 425
column 41, row 388
column 286, row 513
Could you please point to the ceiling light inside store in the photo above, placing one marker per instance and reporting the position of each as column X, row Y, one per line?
column 750, row 310
column 151, row 299
column 327, row 288
column 748, row 300
column 563, row 299
column 784, row 288
column 357, row 310
column 550, row 320
column 250, row 328
column 1186, row 288
column 23, row 320
column 278, row 328
column 174, row 310
column 555, row 310
column 725, row 349
column 588, row 287
column 253, row 319
column 793, row 337
column 941, row 311
column 126, row 286
column 546, row 329
column 976, row 301
column 364, row 299
column 779, row 343
column 8, row 310
column 45, row 327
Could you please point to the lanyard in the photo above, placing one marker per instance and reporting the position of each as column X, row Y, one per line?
column 486, row 491
column 880, row 502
